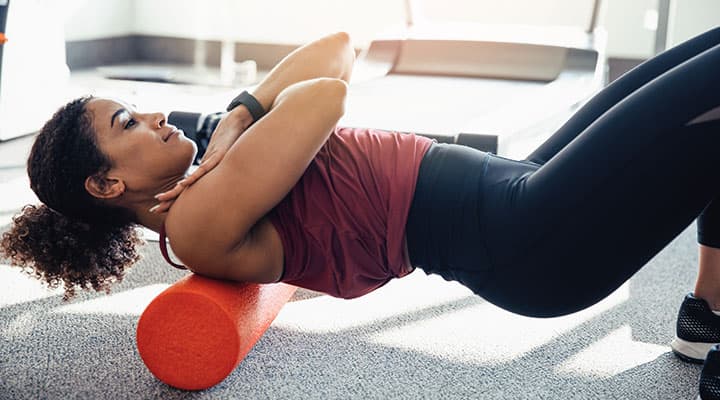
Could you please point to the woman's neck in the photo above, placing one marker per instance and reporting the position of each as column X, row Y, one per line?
column 152, row 221
column 142, row 206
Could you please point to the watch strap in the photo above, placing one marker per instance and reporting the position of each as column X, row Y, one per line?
column 256, row 109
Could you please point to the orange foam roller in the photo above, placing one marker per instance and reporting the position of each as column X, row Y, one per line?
column 194, row 334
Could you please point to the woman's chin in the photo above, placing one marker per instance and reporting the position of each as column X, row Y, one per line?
column 190, row 151
column 193, row 153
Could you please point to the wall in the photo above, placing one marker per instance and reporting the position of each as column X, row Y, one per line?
column 529, row 12
column 627, row 35
column 97, row 19
column 690, row 17
column 269, row 21
column 243, row 20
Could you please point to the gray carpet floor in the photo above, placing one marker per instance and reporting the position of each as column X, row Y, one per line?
column 418, row 337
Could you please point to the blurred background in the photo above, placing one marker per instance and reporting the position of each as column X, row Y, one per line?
column 231, row 43
column 111, row 31
column 516, row 70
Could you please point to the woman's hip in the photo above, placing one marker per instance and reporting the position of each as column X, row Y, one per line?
column 463, row 197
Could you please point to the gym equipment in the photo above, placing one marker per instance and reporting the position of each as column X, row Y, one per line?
column 33, row 72
column 481, row 51
column 197, row 127
column 460, row 79
column 200, row 128
column 194, row 334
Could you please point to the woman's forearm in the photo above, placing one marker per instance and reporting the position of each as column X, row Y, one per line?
column 330, row 57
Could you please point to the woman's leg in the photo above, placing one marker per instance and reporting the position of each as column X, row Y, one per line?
column 621, row 88
column 565, row 236
column 708, row 234
column 437, row 230
column 708, row 279
column 709, row 220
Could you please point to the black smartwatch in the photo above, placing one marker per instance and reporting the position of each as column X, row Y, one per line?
column 256, row 109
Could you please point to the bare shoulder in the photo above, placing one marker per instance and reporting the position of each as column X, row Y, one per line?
column 255, row 256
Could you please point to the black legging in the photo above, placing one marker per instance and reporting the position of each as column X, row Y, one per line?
column 561, row 230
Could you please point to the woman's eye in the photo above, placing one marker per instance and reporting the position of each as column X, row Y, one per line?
column 130, row 123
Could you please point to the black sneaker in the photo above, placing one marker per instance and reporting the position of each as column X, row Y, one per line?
column 710, row 375
column 698, row 329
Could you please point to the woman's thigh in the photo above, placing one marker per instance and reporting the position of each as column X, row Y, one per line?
column 553, row 257
column 564, row 236
column 553, row 239
column 620, row 89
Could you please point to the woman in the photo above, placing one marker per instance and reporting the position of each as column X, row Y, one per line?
column 288, row 197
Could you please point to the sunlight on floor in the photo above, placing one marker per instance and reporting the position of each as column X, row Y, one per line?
column 16, row 287
column 129, row 302
column 613, row 354
column 398, row 299
column 446, row 320
column 15, row 194
column 21, row 325
column 488, row 333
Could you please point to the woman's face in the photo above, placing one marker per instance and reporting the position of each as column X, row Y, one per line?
column 144, row 150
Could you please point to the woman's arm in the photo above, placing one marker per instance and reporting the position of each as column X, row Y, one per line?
column 332, row 56
column 211, row 220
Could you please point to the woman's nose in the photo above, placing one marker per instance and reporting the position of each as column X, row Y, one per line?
column 159, row 119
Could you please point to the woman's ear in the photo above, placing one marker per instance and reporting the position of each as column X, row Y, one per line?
column 103, row 187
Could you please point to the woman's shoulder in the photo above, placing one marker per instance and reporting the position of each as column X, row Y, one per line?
column 195, row 226
column 214, row 249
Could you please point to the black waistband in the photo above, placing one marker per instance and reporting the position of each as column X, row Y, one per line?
column 443, row 224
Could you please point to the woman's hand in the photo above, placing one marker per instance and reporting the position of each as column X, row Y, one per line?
column 329, row 57
column 226, row 133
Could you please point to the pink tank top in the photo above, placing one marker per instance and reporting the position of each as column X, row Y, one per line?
column 343, row 224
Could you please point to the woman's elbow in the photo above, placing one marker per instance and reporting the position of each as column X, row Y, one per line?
column 343, row 38
column 346, row 52
column 335, row 92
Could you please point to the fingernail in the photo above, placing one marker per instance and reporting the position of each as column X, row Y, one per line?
column 154, row 208
column 157, row 197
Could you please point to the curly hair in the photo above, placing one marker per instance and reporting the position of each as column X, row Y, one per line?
column 72, row 239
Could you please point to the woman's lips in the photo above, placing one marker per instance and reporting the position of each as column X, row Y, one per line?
column 175, row 132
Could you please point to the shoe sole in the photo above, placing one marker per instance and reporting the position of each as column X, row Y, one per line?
column 694, row 352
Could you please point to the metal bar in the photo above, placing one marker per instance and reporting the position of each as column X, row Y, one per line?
column 594, row 17
column 662, row 26
column 409, row 14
